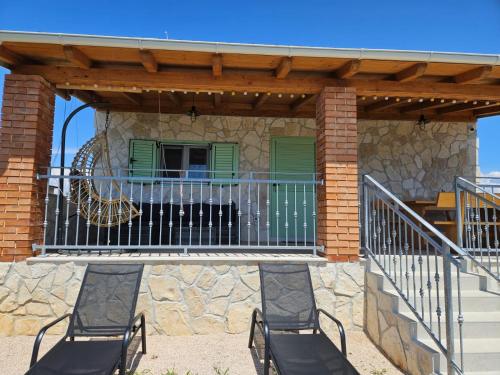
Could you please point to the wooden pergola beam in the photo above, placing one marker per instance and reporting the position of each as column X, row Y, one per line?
column 411, row 73
column 10, row 58
column 87, row 96
column 148, row 61
column 418, row 106
column 382, row 104
column 201, row 80
column 174, row 98
column 301, row 102
column 133, row 98
column 217, row 100
column 348, row 70
column 259, row 102
column 77, row 57
column 490, row 111
column 473, row 74
column 465, row 107
column 283, row 68
column 64, row 94
column 217, row 65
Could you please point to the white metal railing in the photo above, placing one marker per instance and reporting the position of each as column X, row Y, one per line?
column 422, row 265
column 193, row 211
column 478, row 222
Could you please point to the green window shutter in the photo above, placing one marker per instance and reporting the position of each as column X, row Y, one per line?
column 142, row 157
column 225, row 160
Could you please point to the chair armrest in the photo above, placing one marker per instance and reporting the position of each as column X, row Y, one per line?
column 39, row 337
column 131, row 331
column 264, row 328
column 340, row 328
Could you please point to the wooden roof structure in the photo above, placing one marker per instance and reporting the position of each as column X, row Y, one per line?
column 148, row 75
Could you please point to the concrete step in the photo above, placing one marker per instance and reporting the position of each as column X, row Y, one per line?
column 480, row 303
column 479, row 354
column 475, row 325
column 471, row 301
column 468, row 281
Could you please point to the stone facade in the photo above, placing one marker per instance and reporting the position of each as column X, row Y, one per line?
column 413, row 163
column 179, row 298
column 417, row 163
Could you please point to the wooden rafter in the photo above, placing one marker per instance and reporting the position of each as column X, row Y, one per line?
column 217, row 65
column 77, row 57
column 301, row 102
column 259, row 102
column 133, row 98
column 473, row 74
column 148, row 61
column 490, row 111
column 348, row 70
column 382, row 104
column 9, row 57
column 411, row 73
column 200, row 80
column 217, row 100
column 65, row 94
column 284, row 67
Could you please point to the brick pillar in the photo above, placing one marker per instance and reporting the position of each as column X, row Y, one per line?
column 337, row 161
column 25, row 149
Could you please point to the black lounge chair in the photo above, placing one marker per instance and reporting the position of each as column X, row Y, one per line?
column 289, row 307
column 104, row 308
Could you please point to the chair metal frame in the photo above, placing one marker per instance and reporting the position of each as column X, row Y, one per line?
column 128, row 335
column 259, row 320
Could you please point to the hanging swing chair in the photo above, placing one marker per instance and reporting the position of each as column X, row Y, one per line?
column 98, row 207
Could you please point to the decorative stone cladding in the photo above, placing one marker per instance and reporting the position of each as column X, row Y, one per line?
column 413, row 163
column 179, row 298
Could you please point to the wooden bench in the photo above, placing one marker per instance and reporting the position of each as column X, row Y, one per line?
column 446, row 203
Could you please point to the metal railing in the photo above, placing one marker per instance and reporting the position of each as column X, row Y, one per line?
column 193, row 211
column 418, row 261
column 490, row 184
column 478, row 223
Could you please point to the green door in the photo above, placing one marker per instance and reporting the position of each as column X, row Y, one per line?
column 292, row 159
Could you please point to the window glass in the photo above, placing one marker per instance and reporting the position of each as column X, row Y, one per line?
column 198, row 162
column 171, row 160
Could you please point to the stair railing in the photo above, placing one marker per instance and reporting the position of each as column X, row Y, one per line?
column 401, row 243
column 478, row 223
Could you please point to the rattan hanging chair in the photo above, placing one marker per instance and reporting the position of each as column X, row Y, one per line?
column 94, row 197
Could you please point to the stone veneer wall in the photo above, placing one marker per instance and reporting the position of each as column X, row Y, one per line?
column 179, row 298
column 411, row 162
column 415, row 163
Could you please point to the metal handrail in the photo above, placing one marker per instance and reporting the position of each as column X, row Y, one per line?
column 470, row 222
column 416, row 216
column 400, row 241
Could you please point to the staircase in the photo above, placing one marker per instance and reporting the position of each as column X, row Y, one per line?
column 480, row 305
column 429, row 305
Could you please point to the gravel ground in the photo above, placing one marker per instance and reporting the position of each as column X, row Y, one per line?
column 197, row 354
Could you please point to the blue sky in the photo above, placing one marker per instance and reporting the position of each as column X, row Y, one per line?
column 445, row 25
